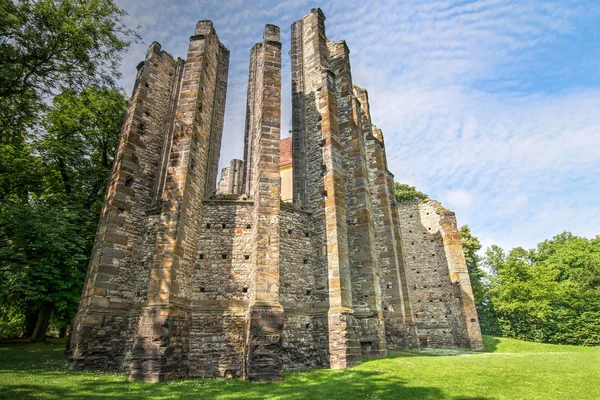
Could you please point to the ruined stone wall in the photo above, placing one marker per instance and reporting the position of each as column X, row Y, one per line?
column 232, row 179
column 302, row 291
column 224, row 286
column 187, row 282
column 437, row 278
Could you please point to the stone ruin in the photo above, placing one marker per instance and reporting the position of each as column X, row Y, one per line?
column 184, row 282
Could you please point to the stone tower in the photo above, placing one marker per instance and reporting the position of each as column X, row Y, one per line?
column 188, row 281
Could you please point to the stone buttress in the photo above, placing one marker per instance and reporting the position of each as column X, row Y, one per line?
column 135, row 311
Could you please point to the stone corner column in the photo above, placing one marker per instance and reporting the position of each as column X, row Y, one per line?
column 264, row 321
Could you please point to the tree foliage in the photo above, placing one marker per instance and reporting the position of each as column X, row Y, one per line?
column 404, row 192
column 548, row 294
column 47, row 46
column 60, row 118
column 45, row 238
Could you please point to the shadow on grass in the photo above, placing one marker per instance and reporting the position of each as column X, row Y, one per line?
column 348, row 385
column 38, row 371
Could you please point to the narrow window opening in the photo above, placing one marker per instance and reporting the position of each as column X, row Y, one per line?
column 223, row 226
column 201, row 290
column 245, row 290
column 207, row 226
column 308, row 292
column 201, row 256
column 247, row 256
column 129, row 182
column 290, row 231
column 248, row 226
column 305, row 261
column 224, row 255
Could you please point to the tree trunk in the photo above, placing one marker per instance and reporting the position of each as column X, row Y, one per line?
column 63, row 331
column 43, row 320
column 30, row 322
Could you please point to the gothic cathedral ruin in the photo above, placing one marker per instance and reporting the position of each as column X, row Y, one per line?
column 185, row 281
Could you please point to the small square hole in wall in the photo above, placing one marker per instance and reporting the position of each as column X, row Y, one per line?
column 410, row 216
column 306, row 326
column 305, row 261
column 248, row 226
column 129, row 182
column 247, row 256
column 201, row 290
column 223, row 226
column 290, row 231
column 389, row 286
column 409, row 231
column 306, row 234
column 429, row 228
column 207, row 226
column 224, row 255
column 201, row 256
column 308, row 292
column 245, row 290
column 385, row 308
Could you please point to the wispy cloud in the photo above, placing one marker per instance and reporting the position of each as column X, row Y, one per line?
column 490, row 106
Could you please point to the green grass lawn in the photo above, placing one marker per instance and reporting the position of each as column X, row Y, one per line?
column 508, row 369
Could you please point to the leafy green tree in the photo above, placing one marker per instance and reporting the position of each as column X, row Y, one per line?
column 55, row 171
column 47, row 46
column 549, row 294
column 45, row 240
column 404, row 192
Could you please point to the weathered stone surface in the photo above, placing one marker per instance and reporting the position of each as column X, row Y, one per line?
column 187, row 280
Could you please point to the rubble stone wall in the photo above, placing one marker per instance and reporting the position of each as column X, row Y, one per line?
column 440, row 290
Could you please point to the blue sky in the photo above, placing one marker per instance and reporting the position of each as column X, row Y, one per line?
column 492, row 107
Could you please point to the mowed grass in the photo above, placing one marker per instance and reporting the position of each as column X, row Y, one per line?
column 507, row 369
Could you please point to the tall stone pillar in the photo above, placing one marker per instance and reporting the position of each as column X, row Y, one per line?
column 162, row 341
column 396, row 307
column 364, row 266
column 319, row 177
column 263, row 131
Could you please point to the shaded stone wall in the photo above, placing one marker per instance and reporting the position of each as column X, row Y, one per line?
column 440, row 290
column 224, row 286
column 116, row 282
column 302, row 292
column 364, row 265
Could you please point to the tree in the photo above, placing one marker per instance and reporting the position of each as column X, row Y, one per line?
column 45, row 240
column 406, row 192
column 50, row 45
column 549, row 294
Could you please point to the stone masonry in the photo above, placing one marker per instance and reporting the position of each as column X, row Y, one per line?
column 191, row 279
